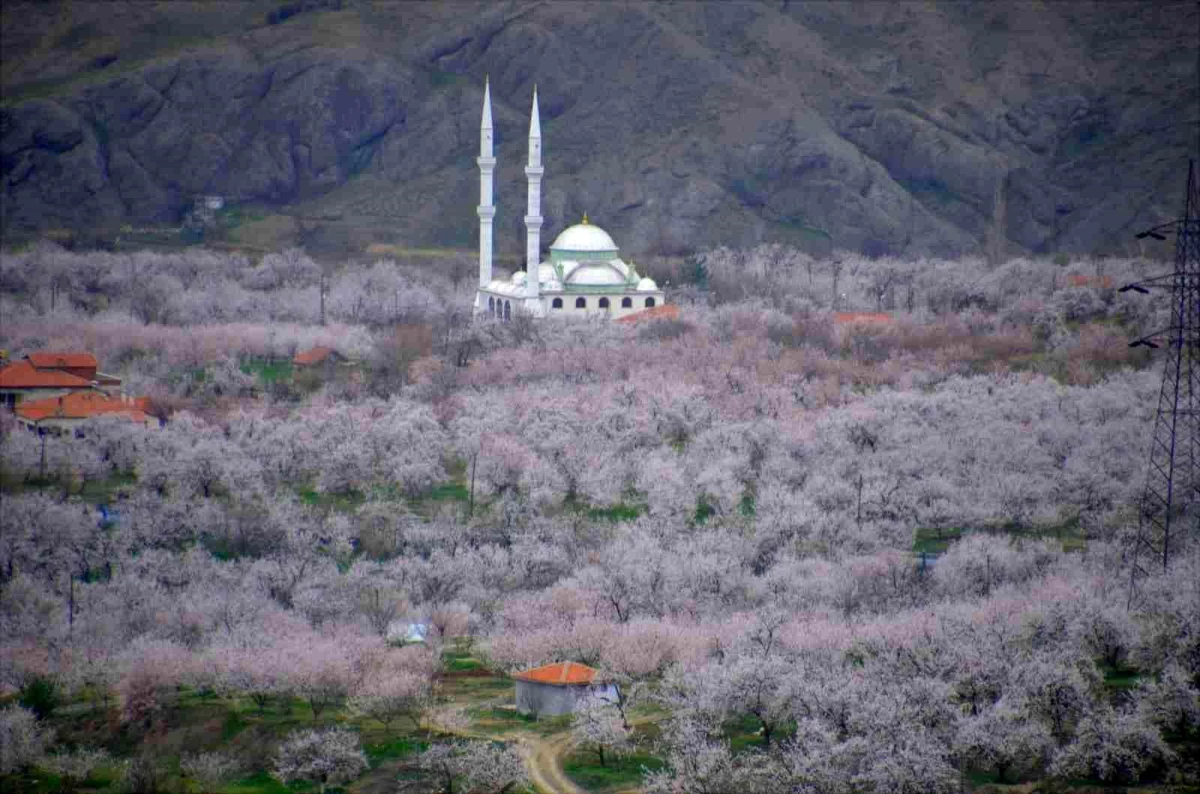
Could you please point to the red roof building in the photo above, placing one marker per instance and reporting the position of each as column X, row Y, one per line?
column 81, row 364
column 560, row 673
column 666, row 312
column 862, row 318
column 558, row 688
column 24, row 375
column 51, row 374
column 1099, row 282
column 73, row 408
column 318, row 355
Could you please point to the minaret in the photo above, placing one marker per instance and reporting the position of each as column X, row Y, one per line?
column 533, row 216
column 487, row 163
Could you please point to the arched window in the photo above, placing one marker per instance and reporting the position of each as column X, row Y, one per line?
column 581, row 303
column 626, row 303
column 604, row 303
column 492, row 306
column 556, row 303
column 649, row 303
column 507, row 311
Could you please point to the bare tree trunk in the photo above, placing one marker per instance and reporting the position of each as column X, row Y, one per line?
column 858, row 508
column 471, row 497
column 323, row 284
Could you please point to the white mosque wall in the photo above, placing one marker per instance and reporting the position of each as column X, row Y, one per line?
column 570, row 304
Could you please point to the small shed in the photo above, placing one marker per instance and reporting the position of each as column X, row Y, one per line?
column 317, row 356
column 555, row 689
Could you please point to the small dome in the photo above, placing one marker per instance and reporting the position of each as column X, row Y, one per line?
column 647, row 285
column 518, row 277
column 583, row 237
column 548, row 276
column 595, row 275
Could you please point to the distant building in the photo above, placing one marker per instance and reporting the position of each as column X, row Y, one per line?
column 862, row 318
column 584, row 275
column 22, row 381
column 667, row 312
column 83, row 365
column 1097, row 282
column 558, row 688
column 318, row 356
column 68, row 412
column 52, row 374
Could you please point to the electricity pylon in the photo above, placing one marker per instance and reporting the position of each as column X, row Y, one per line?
column 1172, row 494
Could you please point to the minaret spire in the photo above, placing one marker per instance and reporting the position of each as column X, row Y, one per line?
column 533, row 215
column 486, row 211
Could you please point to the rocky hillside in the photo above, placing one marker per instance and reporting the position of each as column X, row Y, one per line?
column 906, row 128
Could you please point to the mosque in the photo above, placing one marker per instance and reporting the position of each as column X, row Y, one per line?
column 584, row 275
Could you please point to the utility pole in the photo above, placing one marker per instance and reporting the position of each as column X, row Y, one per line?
column 1172, row 494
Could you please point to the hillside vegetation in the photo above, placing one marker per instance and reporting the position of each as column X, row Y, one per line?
column 851, row 526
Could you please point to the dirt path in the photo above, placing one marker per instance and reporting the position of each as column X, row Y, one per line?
column 543, row 759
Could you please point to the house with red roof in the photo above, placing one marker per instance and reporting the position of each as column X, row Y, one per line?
column 317, row 356
column 68, row 412
column 668, row 311
column 554, row 689
column 38, row 376
column 83, row 365
column 22, row 381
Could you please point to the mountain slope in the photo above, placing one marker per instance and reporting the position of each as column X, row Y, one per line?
column 914, row 128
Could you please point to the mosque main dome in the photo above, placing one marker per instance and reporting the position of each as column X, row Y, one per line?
column 584, row 237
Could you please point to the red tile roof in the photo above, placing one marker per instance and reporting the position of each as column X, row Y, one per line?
column 23, row 375
column 559, row 674
column 49, row 360
column 870, row 318
column 314, row 356
column 1100, row 282
column 667, row 311
column 83, row 405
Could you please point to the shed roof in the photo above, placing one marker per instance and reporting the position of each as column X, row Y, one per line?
column 24, row 375
column 314, row 356
column 559, row 674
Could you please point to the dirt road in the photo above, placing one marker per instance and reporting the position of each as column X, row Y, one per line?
column 543, row 759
